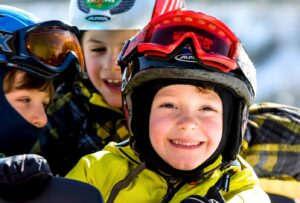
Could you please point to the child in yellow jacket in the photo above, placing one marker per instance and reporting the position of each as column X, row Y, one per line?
column 187, row 86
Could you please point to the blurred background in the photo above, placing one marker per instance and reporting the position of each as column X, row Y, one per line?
column 269, row 30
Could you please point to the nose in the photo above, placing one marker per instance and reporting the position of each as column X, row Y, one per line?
column 39, row 117
column 187, row 121
column 111, row 62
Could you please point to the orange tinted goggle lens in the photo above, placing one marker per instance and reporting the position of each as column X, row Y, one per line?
column 51, row 45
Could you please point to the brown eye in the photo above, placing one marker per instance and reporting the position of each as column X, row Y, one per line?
column 101, row 49
column 24, row 100
column 207, row 108
column 168, row 105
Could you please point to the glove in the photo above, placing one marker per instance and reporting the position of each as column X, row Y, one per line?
column 198, row 199
column 23, row 175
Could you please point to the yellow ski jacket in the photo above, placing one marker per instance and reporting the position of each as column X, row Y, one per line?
column 106, row 168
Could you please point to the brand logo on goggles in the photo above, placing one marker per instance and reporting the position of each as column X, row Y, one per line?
column 97, row 18
column 102, row 4
column 5, row 42
column 185, row 58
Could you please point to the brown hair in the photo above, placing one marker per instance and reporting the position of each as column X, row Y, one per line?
column 205, row 88
column 29, row 81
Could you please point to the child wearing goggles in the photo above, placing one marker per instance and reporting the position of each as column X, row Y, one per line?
column 186, row 105
column 32, row 55
column 87, row 115
column 26, row 89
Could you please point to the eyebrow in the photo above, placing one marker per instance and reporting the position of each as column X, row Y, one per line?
column 95, row 41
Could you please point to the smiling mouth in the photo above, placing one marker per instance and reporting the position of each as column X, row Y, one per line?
column 113, row 84
column 186, row 143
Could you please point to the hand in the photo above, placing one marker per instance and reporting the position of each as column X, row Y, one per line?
column 21, row 173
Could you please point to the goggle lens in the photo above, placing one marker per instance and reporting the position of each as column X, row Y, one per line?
column 52, row 44
column 210, row 43
column 213, row 42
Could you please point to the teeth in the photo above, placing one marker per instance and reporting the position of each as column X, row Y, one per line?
column 113, row 81
column 195, row 143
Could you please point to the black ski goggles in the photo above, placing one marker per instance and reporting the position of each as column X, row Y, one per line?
column 45, row 49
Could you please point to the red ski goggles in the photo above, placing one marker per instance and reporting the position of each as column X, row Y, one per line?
column 211, row 42
column 46, row 48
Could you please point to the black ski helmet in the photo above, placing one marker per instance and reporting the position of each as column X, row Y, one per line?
column 185, row 47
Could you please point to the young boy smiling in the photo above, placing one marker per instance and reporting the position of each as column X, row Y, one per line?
column 187, row 86
column 177, row 118
column 87, row 115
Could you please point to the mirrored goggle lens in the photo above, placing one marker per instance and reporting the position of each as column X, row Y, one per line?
column 51, row 45
column 209, row 42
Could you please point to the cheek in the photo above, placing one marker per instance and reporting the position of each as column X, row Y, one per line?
column 154, row 125
column 93, row 66
column 156, row 140
column 214, row 131
column 23, row 109
column 158, row 128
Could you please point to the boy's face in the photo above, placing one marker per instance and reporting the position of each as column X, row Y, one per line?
column 29, row 103
column 185, row 125
column 101, row 50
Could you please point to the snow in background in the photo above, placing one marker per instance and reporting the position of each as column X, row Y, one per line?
column 269, row 30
